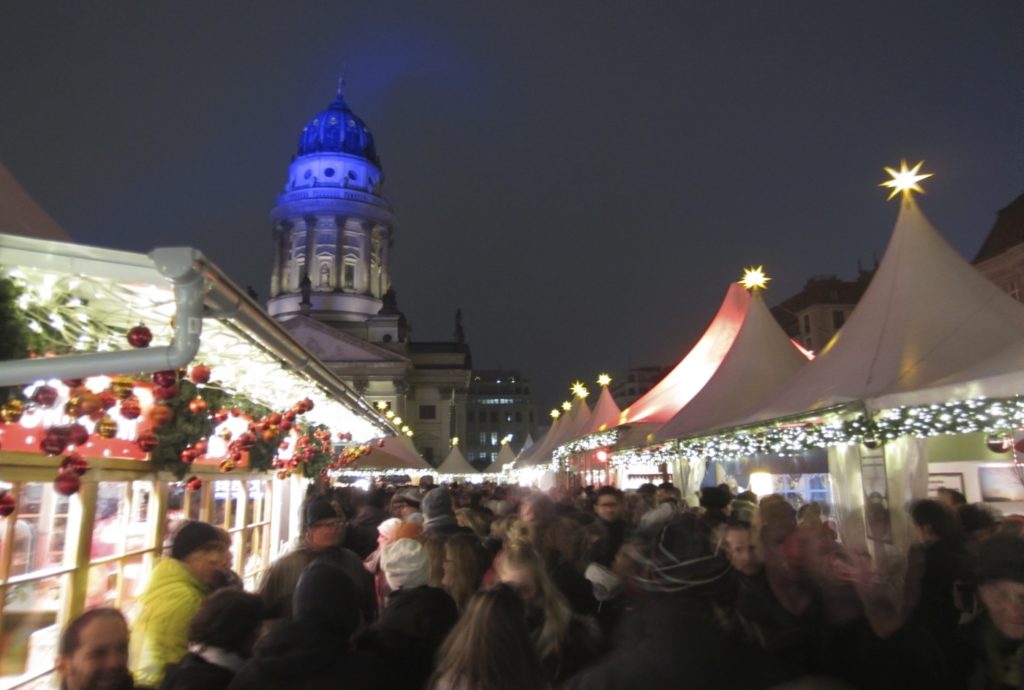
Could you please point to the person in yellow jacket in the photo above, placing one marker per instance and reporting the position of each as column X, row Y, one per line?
column 200, row 555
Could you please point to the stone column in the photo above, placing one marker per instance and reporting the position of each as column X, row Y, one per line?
column 339, row 252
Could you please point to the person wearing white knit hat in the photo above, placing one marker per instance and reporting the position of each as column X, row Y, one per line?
column 404, row 563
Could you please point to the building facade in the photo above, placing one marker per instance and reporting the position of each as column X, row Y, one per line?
column 637, row 381
column 815, row 314
column 1001, row 257
column 331, row 286
column 498, row 406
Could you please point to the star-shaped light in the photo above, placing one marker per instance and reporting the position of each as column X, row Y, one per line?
column 455, row 440
column 604, row 380
column 382, row 405
column 905, row 179
column 579, row 390
column 566, row 405
column 754, row 278
column 555, row 414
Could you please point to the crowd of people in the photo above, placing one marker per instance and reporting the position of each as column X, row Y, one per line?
column 489, row 587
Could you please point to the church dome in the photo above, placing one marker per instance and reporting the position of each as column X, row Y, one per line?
column 338, row 130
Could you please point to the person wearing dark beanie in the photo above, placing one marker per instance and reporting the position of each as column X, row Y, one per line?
column 199, row 558
column 323, row 531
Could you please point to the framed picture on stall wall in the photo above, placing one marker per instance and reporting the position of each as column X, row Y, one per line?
column 945, row 480
column 999, row 485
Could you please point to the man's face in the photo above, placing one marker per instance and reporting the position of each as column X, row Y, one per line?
column 740, row 550
column 210, row 563
column 324, row 534
column 101, row 660
column 608, row 508
column 1004, row 601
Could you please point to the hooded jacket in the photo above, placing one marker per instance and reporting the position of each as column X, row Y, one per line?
column 165, row 610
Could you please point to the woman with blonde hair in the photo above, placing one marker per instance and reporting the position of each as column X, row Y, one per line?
column 465, row 562
column 564, row 641
column 490, row 647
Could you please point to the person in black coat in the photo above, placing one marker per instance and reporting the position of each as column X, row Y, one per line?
column 312, row 651
column 221, row 638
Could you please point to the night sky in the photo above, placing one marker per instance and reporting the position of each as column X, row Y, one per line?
column 584, row 179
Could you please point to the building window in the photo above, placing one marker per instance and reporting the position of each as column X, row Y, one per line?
column 483, row 438
column 494, row 416
column 494, row 438
column 428, row 412
column 325, row 275
column 838, row 319
column 349, row 276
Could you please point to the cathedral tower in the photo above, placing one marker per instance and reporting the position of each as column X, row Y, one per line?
column 333, row 230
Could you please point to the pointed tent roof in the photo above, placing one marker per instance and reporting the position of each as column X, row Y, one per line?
column 21, row 215
column 762, row 358
column 397, row 453
column 528, row 443
column 605, row 414
column 688, row 377
column 456, row 463
column 564, row 429
column 926, row 315
column 505, row 456
column 527, row 454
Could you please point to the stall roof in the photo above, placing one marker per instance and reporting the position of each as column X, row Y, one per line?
column 21, row 215
column 505, row 456
column 91, row 296
column 928, row 316
column 605, row 414
column 456, row 463
column 762, row 358
column 391, row 453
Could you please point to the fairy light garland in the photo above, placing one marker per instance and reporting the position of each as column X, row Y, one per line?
column 603, row 439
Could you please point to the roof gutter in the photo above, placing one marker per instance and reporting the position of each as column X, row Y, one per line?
column 179, row 265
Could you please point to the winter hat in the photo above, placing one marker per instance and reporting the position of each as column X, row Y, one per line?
column 1000, row 558
column 404, row 563
column 326, row 595
column 319, row 508
column 410, row 495
column 389, row 528
column 714, row 498
column 194, row 536
column 436, row 503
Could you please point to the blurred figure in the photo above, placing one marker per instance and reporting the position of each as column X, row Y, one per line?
column 220, row 638
column 323, row 531
column 93, row 652
column 740, row 549
column 198, row 561
column 465, row 563
column 405, row 504
column 311, row 650
column 951, row 498
column 490, row 648
column 439, row 515
column 996, row 635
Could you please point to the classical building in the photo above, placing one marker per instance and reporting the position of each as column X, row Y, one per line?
column 1001, row 257
column 330, row 285
column 812, row 316
column 498, row 406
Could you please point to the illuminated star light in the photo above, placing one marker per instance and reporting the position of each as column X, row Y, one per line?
column 754, row 278
column 555, row 414
column 579, row 390
column 604, row 380
column 905, row 180
column 566, row 405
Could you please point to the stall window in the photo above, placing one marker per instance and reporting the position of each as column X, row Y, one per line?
column 36, row 560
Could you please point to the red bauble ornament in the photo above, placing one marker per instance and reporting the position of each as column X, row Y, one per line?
column 286, row 425
column 74, row 462
column 220, row 416
column 164, row 392
column 54, row 442
column 165, row 378
column 246, row 440
column 106, row 428
column 131, row 408
column 998, row 443
column 67, row 483
column 140, row 336
column 7, row 504
column 194, row 483
column 235, row 412
column 274, row 418
column 290, row 416
column 107, row 399
column 227, row 465
column 122, row 387
column 73, row 383
column 283, row 474
column 200, row 447
column 89, row 403
column 78, row 434
column 380, row 443
column 45, row 396
column 1019, row 446
column 147, row 441
column 269, row 435
column 197, row 406
column 188, row 456
column 200, row 374
column 12, row 410
column 160, row 414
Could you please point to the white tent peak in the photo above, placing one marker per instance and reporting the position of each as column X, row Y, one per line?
column 762, row 358
column 926, row 314
column 605, row 413
column 394, row 453
column 456, row 463
column 505, row 456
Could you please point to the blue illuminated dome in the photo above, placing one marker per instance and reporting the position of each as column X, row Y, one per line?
column 338, row 130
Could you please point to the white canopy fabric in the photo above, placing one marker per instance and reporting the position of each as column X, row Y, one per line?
column 505, row 456
column 762, row 358
column 397, row 453
column 605, row 414
column 456, row 463
column 527, row 454
column 928, row 316
column 565, row 428
column 21, row 215
column 688, row 377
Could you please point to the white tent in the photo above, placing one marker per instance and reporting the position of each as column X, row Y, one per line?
column 528, row 453
column 928, row 316
column 21, row 215
column 505, row 456
column 456, row 463
column 605, row 414
column 762, row 358
column 395, row 453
